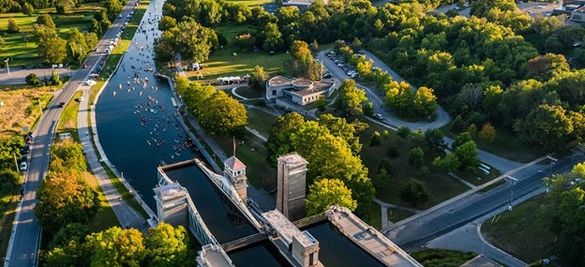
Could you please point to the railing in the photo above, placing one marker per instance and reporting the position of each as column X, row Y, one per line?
column 244, row 242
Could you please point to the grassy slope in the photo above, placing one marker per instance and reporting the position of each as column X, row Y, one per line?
column 224, row 63
column 261, row 121
column 521, row 232
column 22, row 107
column 22, row 49
column 440, row 185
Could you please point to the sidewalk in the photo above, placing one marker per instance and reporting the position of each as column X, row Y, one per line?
column 127, row 216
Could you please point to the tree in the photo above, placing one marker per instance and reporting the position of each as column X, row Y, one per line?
column 55, row 79
column 12, row 26
column 399, row 98
column 71, row 232
column 72, row 155
column 272, row 38
column 117, row 247
column 63, row 6
column 448, row 163
column 168, row 246
column 424, row 102
column 324, row 193
column 467, row 156
column 258, row 78
column 9, row 180
column 189, row 38
column 28, row 9
column 547, row 66
column 548, row 126
column 281, row 132
column 352, row 99
column 77, row 48
column 403, row 131
column 53, row 50
column 113, row 7
column 376, row 139
column 487, row 134
column 65, row 198
column 434, row 139
column 415, row 157
column 47, row 21
column 415, row 192
column 223, row 114
column 33, row 80
column 461, row 139
column 382, row 180
column 166, row 23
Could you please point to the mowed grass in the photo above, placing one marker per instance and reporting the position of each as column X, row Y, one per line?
column 261, row 121
column 22, row 49
column 522, row 231
column 22, row 108
column 440, row 185
column 105, row 218
column 232, row 61
column 68, row 120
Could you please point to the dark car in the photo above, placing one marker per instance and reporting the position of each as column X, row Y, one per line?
column 62, row 104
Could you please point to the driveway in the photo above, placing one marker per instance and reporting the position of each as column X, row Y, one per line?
column 17, row 75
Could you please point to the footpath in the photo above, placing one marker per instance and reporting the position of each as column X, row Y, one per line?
column 127, row 216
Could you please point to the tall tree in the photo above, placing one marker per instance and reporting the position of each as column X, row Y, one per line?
column 352, row 99
column 324, row 193
column 117, row 247
column 167, row 246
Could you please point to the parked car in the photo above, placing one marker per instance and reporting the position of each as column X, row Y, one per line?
column 23, row 166
column 378, row 116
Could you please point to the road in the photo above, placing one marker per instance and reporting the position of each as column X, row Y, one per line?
column 18, row 75
column 417, row 232
column 26, row 232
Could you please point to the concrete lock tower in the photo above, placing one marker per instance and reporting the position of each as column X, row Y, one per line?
column 291, row 181
column 235, row 170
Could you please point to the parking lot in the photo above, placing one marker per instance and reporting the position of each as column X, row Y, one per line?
column 349, row 70
column 538, row 8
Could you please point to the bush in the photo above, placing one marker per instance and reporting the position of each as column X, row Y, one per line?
column 392, row 152
column 376, row 139
column 457, row 125
column 415, row 157
column 403, row 131
column 382, row 180
column 55, row 79
column 12, row 26
column 415, row 192
column 385, row 165
column 33, row 80
column 386, row 134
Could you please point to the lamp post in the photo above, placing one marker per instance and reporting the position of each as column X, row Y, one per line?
column 512, row 181
column 7, row 67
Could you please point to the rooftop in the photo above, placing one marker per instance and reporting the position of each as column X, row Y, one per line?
column 170, row 190
column 293, row 159
column 213, row 256
column 234, row 163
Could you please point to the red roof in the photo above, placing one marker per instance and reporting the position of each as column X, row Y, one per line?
column 234, row 163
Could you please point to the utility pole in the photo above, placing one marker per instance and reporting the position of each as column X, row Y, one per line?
column 15, row 162
column 7, row 67
column 553, row 162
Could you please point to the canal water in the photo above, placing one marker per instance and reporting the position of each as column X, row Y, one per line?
column 213, row 209
column 138, row 131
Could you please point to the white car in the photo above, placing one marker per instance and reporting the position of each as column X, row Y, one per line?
column 90, row 82
column 23, row 166
column 378, row 116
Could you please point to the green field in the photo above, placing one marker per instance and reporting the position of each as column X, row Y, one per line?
column 261, row 121
column 21, row 48
column 522, row 232
column 231, row 61
column 440, row 185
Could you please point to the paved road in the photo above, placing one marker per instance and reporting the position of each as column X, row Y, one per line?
column 26, row 232
column 18, row 76
column 417, row 232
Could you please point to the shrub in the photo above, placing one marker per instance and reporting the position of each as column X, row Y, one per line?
column 415, row 157
column 392, row 152
column 33, row 80
column 386, row 134
column 415, row 192
column 385, row 165
column 55, row 79
column 376, row 139
column 12, row 26
column 403, row 131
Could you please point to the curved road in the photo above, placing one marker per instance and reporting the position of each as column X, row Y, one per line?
column 26, row 232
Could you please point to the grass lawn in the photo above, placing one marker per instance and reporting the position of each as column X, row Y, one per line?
column 250, row 3
column 261, row 121
column 252, row 152
column 21, row 48
column 522, row 231
column 442, row 257
column 105, row 218
column 224, row 63
column 440, row 185
column 506, row 144
column 68, row 120
column 373, row 216
column 248, row 92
